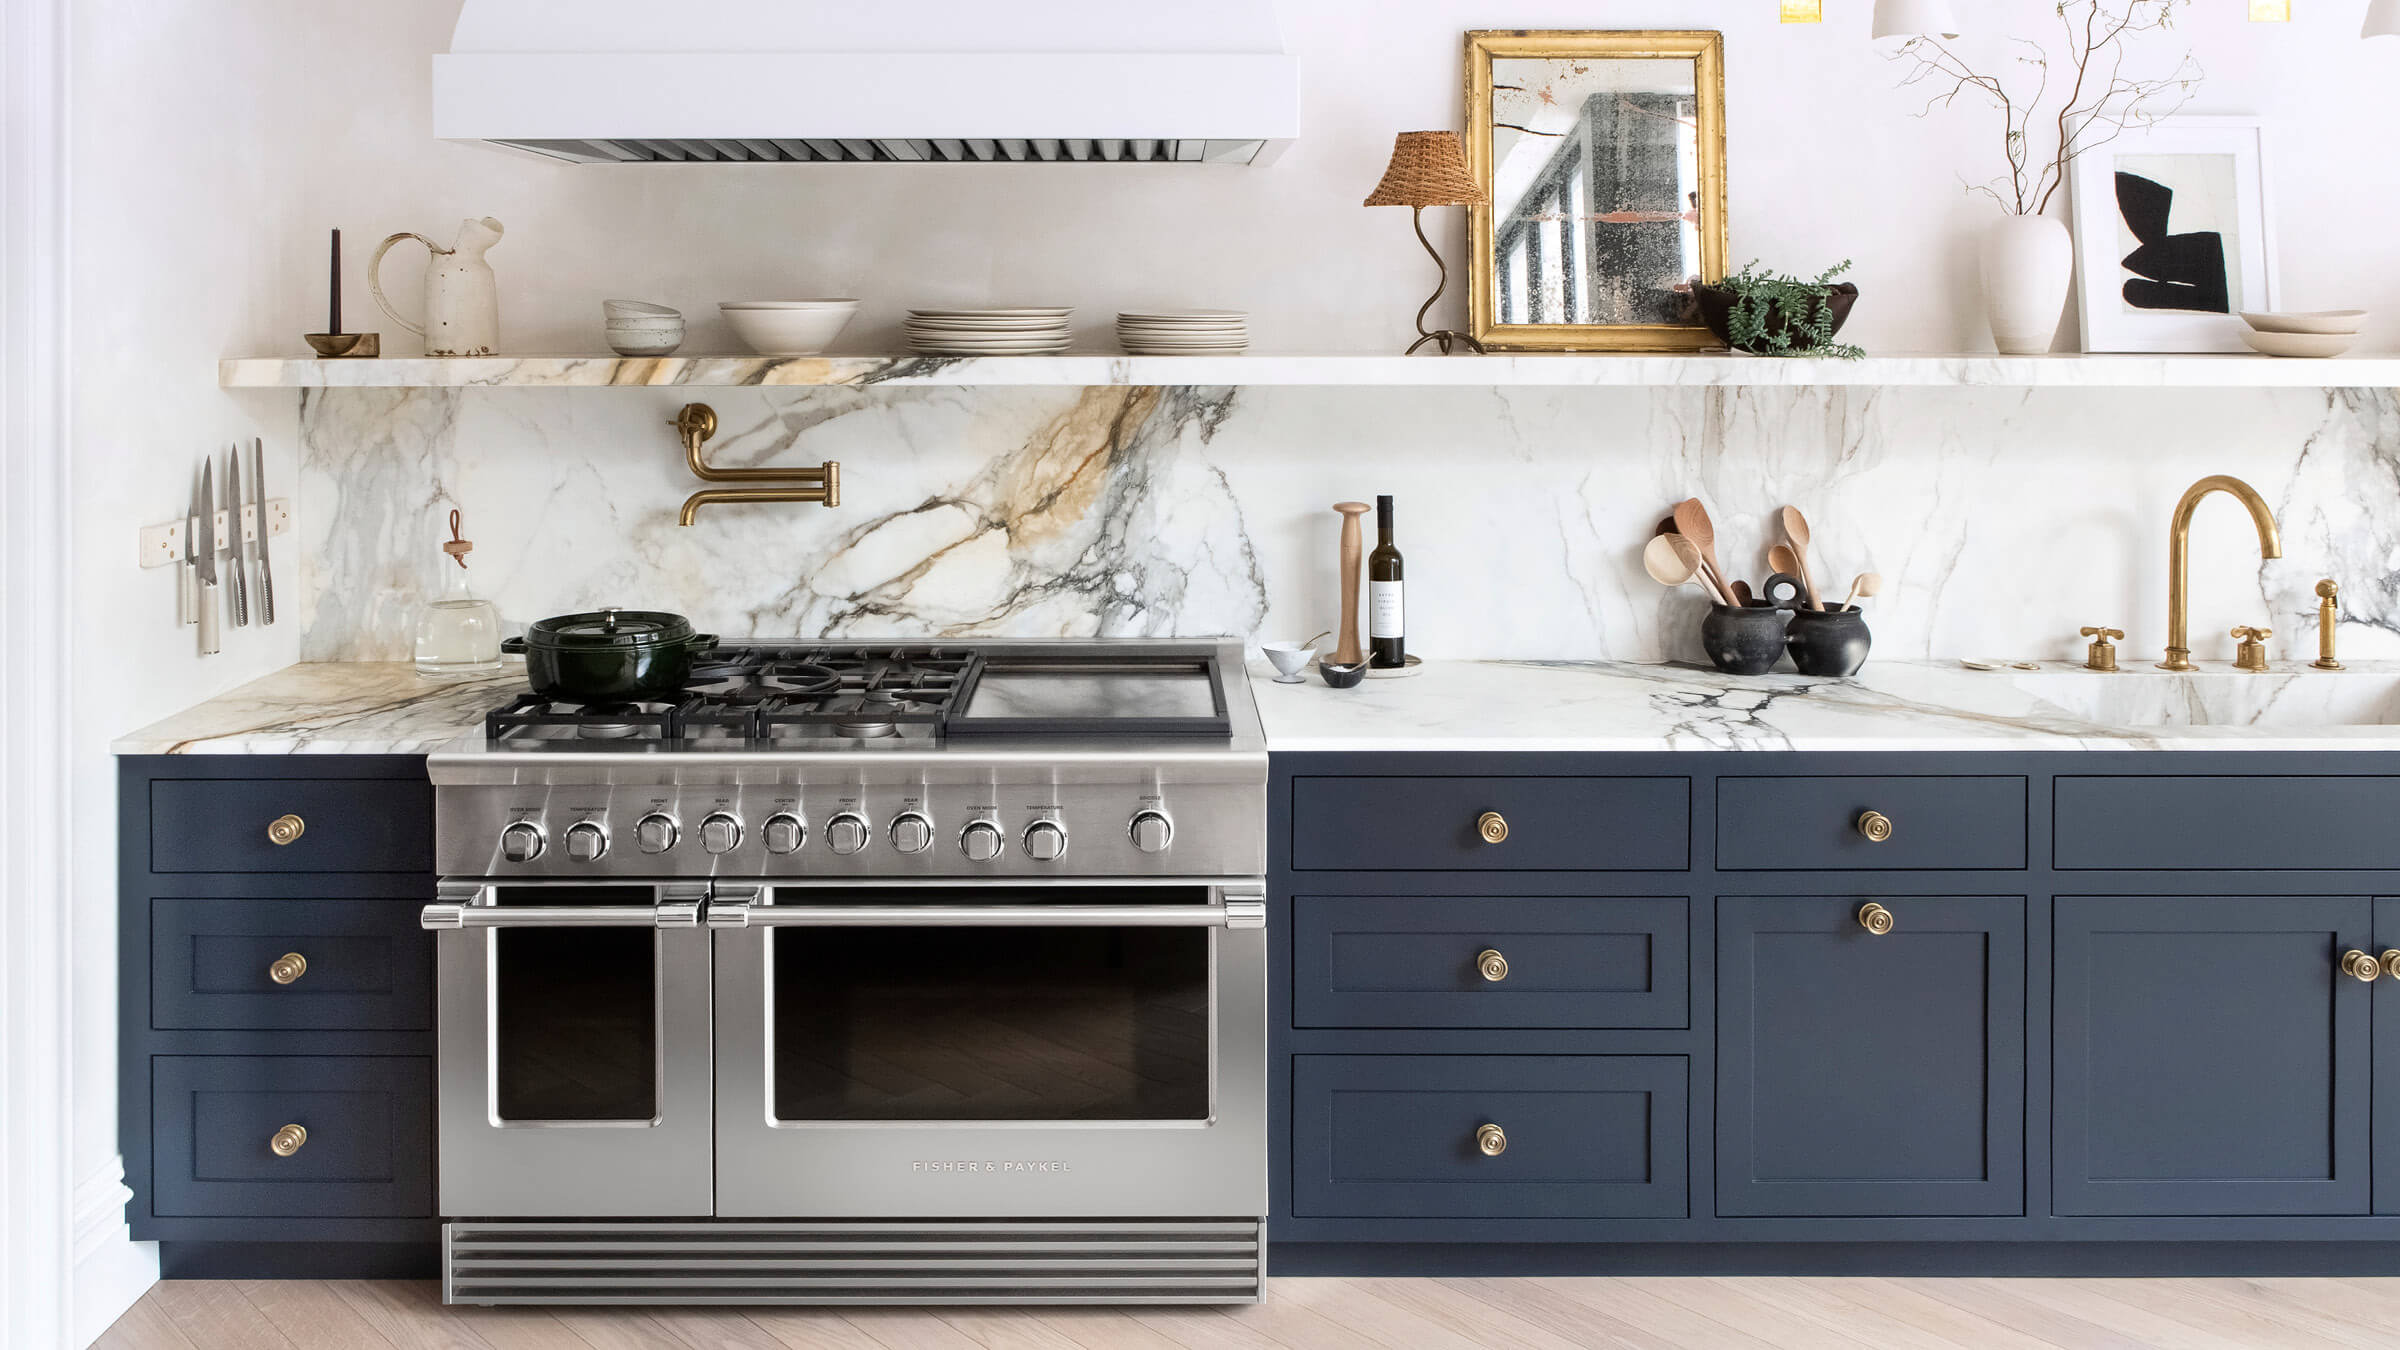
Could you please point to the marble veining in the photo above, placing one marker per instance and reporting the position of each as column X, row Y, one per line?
column 350, row 708
column 2002, row 518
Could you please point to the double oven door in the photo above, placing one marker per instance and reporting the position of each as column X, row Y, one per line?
column 849, row 1050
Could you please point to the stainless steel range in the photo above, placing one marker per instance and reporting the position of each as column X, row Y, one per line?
column 857, row 974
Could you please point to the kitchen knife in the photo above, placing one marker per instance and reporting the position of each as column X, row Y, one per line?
column 258, row 493
column 187, row 591
column 237, row 550
column 204, row 530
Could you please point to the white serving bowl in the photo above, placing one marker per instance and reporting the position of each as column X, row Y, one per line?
column 2326, row 321
column 644, row 341
column 788, row 327
column 2299, row 344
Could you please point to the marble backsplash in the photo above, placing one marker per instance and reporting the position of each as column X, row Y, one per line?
column 2002, row 519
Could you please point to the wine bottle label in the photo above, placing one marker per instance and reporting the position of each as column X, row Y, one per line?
column 1383, row 609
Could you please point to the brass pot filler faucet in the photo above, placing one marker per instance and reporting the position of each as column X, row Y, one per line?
column 697, row 422
column 2252, row 654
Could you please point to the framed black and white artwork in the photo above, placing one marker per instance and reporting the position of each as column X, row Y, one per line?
column 2172, row 241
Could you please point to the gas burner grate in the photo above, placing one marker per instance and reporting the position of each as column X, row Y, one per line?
column 767, row 694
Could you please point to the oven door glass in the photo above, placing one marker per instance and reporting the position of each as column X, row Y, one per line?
column 971, row 1024
column 574, row 1015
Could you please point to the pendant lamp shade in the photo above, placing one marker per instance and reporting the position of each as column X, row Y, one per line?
column 1915, row 18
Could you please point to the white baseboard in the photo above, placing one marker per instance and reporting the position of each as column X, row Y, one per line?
column 110, row 1269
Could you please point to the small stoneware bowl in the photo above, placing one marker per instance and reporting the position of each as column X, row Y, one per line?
column 1341, row 676
column 1289, row 660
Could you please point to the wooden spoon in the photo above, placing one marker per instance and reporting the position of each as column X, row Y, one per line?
column 1692, row 522
column 1782, row 559
column 1795, row 528
column 1671, row 566
column 1866, row 587
column 1688, row 553
column 1741, row 593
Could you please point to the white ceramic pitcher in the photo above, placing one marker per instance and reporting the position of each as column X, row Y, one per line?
column 462, row 301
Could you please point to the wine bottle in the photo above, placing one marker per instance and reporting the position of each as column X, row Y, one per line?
column 1387, row 643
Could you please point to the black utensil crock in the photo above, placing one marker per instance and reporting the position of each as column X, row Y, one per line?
column 1744, row 639
column 1829, row 641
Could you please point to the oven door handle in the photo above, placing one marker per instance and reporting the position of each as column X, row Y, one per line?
column 674, row 914
column 1229, row 913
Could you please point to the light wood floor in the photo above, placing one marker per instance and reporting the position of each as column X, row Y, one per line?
column 1538, row 1314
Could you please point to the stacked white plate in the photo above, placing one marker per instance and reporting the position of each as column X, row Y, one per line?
column 2324, row 333
column 1028, row 331
column 1183, row 332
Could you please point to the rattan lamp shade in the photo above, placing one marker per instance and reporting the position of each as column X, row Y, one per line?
column 1428, row 168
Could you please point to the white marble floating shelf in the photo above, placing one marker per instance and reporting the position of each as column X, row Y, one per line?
column 1530, row 370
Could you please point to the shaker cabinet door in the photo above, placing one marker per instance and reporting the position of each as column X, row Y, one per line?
column 1870, row 1074
column 2209, row 1056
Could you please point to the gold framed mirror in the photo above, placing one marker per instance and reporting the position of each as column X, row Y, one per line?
column 1602, row 160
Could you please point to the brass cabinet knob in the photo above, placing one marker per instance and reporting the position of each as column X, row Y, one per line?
column 1494, row 967
column 2360, row 966
column 1875, row 918
column 288, row 967
column 2391, row 962
column 1492, row 1140
column 285, row 828
column 1875, row 826
column 1492, row 827
column 287, row 1141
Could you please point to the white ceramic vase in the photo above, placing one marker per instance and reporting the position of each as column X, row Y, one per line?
column 2028, row 262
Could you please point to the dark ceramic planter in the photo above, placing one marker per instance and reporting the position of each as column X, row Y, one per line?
column 1716, row 310
column 1829, row 641
column 1744, row 639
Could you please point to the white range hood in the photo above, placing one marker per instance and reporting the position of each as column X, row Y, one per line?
column 714, row 81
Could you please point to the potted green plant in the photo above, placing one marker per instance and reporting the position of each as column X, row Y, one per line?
column 1777, row 314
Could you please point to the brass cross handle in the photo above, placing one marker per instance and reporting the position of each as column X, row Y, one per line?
column 2360, row 966
column 1875, row 918
column 1491, row 1140
column 287, row 1141
column 285, row 828
column 1494, row 967
column 2102, row 655
column 288, row 967
column 1492, row 827
column 2252, row 654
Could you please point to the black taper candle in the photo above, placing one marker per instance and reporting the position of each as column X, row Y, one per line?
column 334, row 312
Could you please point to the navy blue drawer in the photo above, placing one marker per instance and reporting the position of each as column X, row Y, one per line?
column 365, row 965
column 1395, row 1136
column 1362, row 961
column 1431, row 824
column 349, row 825
column 369, row 1151
column 2291, row 823
column 1814, row 824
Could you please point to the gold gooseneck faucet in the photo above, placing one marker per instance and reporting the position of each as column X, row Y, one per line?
column 697, row 422
column 2179, row 557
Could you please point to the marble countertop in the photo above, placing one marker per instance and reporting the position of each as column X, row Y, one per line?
column 386, row 708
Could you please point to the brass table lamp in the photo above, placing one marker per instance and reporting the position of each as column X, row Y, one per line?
column 1429, row 168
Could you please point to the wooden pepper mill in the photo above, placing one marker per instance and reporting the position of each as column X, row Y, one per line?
column 1348, row 652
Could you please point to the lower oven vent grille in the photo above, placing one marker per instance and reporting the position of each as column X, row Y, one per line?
column 963, row 1262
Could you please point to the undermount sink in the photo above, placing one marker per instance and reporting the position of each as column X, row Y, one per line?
column 2221, row 696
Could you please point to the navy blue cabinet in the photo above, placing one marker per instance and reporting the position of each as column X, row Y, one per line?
column 1490, row 961
column 1423, row 823
column 1866, row 1073
column 275, row 1013
column 2209, row 1056
column 2386, row 1039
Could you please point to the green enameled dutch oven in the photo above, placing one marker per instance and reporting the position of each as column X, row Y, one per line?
column 611, row 655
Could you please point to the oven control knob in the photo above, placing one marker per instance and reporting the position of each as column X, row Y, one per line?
column 846, row 833
column 655, row 833
column 586, row 841
column 785, row 833
column 1152, row 831
column 1045, row 840
column 721, row 832
column 981, row 841
column 912, row 832
column 521, row 842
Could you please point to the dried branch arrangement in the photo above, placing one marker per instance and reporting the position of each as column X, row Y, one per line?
column 2101, row 104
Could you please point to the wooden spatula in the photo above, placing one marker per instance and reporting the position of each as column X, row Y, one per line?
column 1795, row 528
column 1692, row 522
